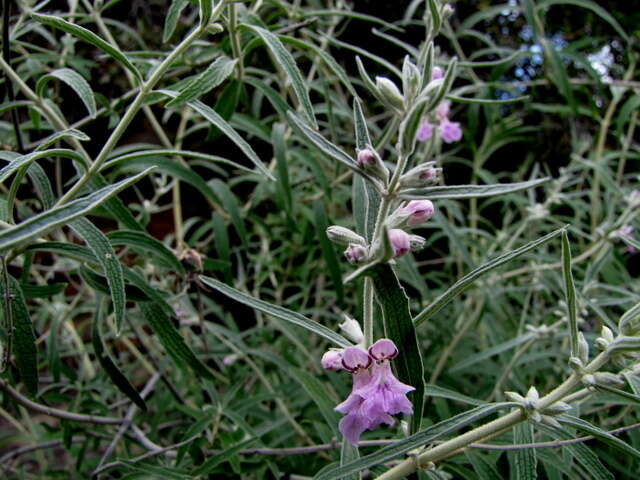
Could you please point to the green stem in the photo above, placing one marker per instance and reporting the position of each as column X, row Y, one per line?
column 367, row 311
column 234, row 36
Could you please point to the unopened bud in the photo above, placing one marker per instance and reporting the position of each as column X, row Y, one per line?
column 421, row 176
column 447, row 10
column 583, row 348
column 411, row 79
column 416, row 242
column 400, row 241
column 390, row 92
column 588, row 380
column 576, row 364
column 344, row 236
column 369, row 160
column 332, row 359
column 437, row 73
column 352, row 330
column 355, row 253
column 366, row 157
column 608, row 379
column 417, row 211
column 606, row 333
column 633, row 199
column 557, row 408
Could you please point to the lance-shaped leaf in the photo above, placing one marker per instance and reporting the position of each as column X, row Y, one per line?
column 523, row 461
column 326, row 147
column 42, row 223
column 23, row 339
column 460, row 192
column 288, row 64
column 76, row 82
column 215, row 119
column 171, row 339
column 214, row 75
column 18, row 162
column 467, row 281
column 277, row 311
column 570, row 294
column 108, row 365
column 145, row 242
column 89, row 37
column 206, row 10
column 414, row 441
column 103, row 251
column 398, row 326
column 173, row 15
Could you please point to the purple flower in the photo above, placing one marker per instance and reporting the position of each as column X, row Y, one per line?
column 450, row 131
column 437, row 73
column 418, row 211
column 332, row 360
column 627, row 231
column 400, row 242
column 376, row 393
column 425, row 132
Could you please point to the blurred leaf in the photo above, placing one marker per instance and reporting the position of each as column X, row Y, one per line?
column 570, row 294
column 171, row 20
column 460, row 192
column 147, row 243
column 328, row 249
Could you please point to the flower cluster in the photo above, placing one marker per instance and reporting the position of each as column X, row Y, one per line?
column 377, row 393
column 449, row 131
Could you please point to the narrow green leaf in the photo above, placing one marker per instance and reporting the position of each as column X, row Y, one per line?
column 215, row 119
column 134, row 163
column 570, row 294
column 74, row 80
column 620, row 393
column 459, row 192
column 43, row 222
column 214, row 75
column 288, row 64
column 23, row 338
column 317, row 392
column 173, row 15
column 348, row 454
column 600, row 434
column 414, row 441
column 474, row 360
column 224, row 456
column 467, row 281
column 147, row 243
column 487, row 101
column 108, row 365
column 164, row 152
column 328, row 250
column 280, row 153
column 89, row 37
column 57, row 136
column 360, row 123
column 277, row 311
column 18, row 162
column 399, row 327
column 523, row 461
column 436, row 391
column 206, row 9
column 42, row 291
column 103, row 251
column 581, row 452
column 171, row 339
column 633, row 381
column 326, row 147
column 482, row 466
column 232, row 207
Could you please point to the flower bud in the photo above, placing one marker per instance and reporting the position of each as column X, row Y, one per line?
column 417, row 211
column 352, row 330
column 355, row 253
column 421, row 176
column 344, row 236
column 411, row 79
column 447, row 10
column 332, row 359
column 557, row 408
column 608, row 379
column 442, row 110
column 437, row 73
column 633, row 199
column 369, row 160
column 355, row 358
column 606, row 333
column 390, row 92
column 400, row 241
column 583, row 349
column 417, row 242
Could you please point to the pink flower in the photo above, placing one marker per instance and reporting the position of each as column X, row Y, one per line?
column 355, row 253
column 437, row 73
column 366, row 157
column 442, row 111
column 400, row 242
column 425, row 132
column 332, row 360
column 627, row 231
column 418, row 211
column 450, row 131
column 377, row 393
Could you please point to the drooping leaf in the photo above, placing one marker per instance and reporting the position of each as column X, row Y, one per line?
column 76, row 82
